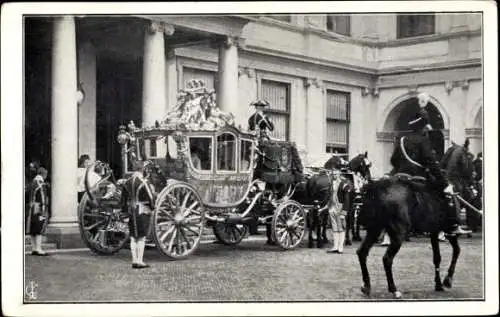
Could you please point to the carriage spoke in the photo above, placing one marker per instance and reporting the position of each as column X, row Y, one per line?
column 186, row 198
column 186, row 238
column 170, row 244
column 191, row 230
column 164, row 236
column 90, row 227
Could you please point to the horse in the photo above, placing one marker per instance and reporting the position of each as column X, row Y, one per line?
column 460, row 175
column 394, row 204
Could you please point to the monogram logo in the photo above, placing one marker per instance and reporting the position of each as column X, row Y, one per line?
column 31, row 290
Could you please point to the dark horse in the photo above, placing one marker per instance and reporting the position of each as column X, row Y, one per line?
column 458, row 166
column 356, row 171
column 395, row 204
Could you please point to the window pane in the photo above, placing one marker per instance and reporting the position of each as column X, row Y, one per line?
column 337, row 105
column 336, row 133
column 280, row 122
column 201, row 153
column 207, row 76
column 226, row 152
column 410, row 25
column 245, row 155
column 339, row 24
column 276, row 93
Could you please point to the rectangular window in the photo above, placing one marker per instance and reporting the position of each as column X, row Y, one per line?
column 278, row 95
column 340, row 24
column 209, row 77
column 410, row 25
column 337, row 121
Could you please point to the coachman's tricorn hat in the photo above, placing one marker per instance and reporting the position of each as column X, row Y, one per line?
column 261, row 103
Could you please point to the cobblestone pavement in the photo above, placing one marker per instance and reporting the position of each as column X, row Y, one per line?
column 251, row 271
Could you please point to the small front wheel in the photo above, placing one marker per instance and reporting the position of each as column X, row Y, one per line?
column 289, row 224
column 230, row 234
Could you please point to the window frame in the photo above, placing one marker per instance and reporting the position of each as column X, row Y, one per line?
column 252, row 153
column 346, row 121
column 403, row 32
column 211, row 155
column 288, row 113
column 236, row 154
column 349, row 28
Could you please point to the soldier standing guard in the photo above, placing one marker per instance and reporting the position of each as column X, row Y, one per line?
column 259, row 121
column 37, row 212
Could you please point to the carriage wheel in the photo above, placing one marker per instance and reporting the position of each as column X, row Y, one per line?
column 104, row 229
column 230, row 234
column 178, row 220
column 289, row 224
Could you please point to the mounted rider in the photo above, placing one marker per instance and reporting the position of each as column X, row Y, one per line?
column 414, row 155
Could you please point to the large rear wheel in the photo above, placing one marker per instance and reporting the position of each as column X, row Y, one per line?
column 178, row 220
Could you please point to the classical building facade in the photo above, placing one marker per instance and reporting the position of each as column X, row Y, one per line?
column 336, row 83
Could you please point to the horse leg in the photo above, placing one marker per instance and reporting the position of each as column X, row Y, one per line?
column 397, row 237
column 451, row 270
column 438, row 286
column 357, row 236
column 310, row 225
column 324, row 226
column 319, row 241
column 362, row 252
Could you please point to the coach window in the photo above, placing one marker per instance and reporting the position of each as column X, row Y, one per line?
column 200, row 149
column 337, row 121
column 410, row 25
column 245, row 155
column 226, row 152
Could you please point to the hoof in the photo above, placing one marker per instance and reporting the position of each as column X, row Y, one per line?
column 357, row 239
column 319, row 246
column 447, row 282
column 310, row 245
column 397, row 295
column 365, row 290
column 439, row 288
column 348, row 242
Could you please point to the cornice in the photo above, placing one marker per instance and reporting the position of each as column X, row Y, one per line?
column 372, row 43
column 311, row 60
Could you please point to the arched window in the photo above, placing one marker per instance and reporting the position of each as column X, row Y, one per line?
column 226, row 152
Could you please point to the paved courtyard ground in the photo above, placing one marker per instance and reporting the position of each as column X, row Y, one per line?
column 251, row 271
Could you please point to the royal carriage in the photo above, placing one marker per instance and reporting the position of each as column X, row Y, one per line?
column 203, row 172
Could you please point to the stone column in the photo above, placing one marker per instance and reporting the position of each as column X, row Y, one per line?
column 227, row 93
column 154, row 94
column 64, row 127
column 171, row 81
column 315, row 114
column 87, row 109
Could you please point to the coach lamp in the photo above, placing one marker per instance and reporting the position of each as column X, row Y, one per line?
column 123, row 138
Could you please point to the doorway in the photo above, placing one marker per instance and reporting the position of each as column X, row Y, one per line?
column 118, row 101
